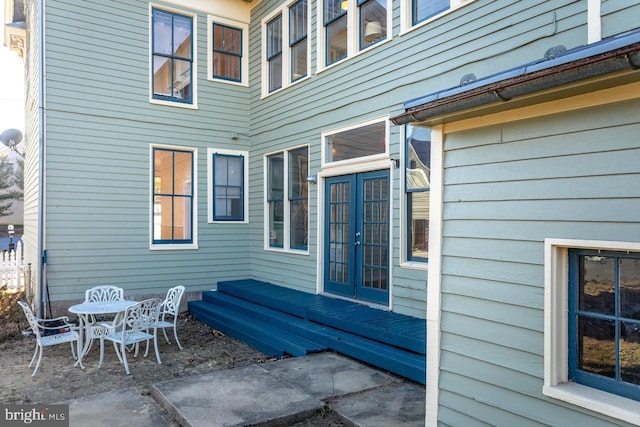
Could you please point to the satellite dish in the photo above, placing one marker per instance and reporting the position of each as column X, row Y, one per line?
column 11, row 137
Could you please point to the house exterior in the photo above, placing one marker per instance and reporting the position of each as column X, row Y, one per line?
column 321, row 145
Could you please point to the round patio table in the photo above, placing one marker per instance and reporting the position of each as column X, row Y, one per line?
column 94, row 308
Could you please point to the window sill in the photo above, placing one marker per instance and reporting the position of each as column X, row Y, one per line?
column 172, row 247
column 193, row 106
column 283, row 88
column 596, row 400
column 415, row 265
column 355, row 55
column 286, row 251
column 229, row 82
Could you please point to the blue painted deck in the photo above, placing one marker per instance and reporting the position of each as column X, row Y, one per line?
column 280, row 321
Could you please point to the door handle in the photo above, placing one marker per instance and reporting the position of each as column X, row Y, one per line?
column 357, row 243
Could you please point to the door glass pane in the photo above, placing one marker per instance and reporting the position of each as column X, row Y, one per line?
column 374, row 240
column 354, row 143
column 596, row 346
column 339, row 232
column 597, row 284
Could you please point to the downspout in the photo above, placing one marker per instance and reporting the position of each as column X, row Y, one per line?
column 41, row 159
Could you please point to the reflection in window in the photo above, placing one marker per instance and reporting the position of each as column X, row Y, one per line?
column 298, row 39
column 417, row 175
column 373, row 22
column 172, row 196
column 425, row 9
column 604, row 321
column 227, row 52
column 172, row 56
column 359, row 142
column 335, row 23
column 274, row 53
column 228, row 185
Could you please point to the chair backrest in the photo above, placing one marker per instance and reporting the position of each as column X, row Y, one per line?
column 171, row 303
column 142, row 316
column 31, row 318
column 104, row 293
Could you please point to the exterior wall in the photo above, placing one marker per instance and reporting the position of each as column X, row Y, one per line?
column 507, row 188
column 618, row 17
column 99, row 127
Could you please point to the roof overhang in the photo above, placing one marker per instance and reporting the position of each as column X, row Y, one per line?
column 611, row 62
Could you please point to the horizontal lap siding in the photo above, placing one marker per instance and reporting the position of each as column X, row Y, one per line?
column 507, row 188
column 100, row 125
column 619, row 16
column 481, row 37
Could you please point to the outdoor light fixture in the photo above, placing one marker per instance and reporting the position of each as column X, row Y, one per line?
column 312, row 179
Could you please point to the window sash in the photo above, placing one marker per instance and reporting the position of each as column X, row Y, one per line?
column 172, row 57
column 274, row 53
column 172, row 199
column 227, row 52
column 298, row 195
column 421, row 10
column 228, row 187
column 298, row 40
column 599, row 322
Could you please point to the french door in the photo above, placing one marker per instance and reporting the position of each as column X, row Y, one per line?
column 356, row 247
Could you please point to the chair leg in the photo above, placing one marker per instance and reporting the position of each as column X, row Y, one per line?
column 101, row 352
column 35, row 351
column 115, row 346
column 175, row 334
column 38, row 363
column 124, row 358
column 164, row 331
column 155, row 345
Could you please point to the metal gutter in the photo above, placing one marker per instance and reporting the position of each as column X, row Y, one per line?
column 41, row 165
column 621, row 53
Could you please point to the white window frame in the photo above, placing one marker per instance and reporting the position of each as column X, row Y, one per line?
column 194, row 219
column 211, row 190
column 244, row 62
column 556, row 329
column 286, row 240
column 349, row 163
column 406, row 10
column 194, row 63
column 353, row 40
column 286, row 50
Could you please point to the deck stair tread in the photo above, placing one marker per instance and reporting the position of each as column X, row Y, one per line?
column 278, row 321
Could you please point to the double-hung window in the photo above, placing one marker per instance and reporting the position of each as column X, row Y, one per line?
column 350, row 26
column 172, row 57
column 287, row 199
column 417, row 178
column 228, row 46
column 228, row 176
column 421, row 10
column 604, row 320
column 286, row 46
column 173, row 196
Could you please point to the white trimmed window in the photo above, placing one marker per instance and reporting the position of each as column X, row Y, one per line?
column 592, row 326
column 351, row 26
column 416, row 12
column 286, row 46
column 228, row 174
column 173, row 58
column 173, row 197
column 228, row 43
column 287, row 200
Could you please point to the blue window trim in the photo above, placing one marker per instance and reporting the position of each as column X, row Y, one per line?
column 330, row 17
column 301, row 37
column 414, row 10
column 611, row 385
column 296, row 198
column 173, row 195
column 172, row 58
column 274, row 48
column 228, row 218
column 227, row 52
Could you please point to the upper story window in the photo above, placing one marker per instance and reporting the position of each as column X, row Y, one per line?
column 228, row 175
column 172, row 56
column 351, row 26
column 228, row 47
column 173, row 196
column 604, row 321
column 287, row 199
column 422, row 10
column 355, row 143
column 417, row 185
column 286, row 48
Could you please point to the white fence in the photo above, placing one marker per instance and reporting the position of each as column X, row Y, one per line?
column 12, row 269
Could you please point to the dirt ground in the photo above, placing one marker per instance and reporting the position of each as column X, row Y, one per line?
column 57, row 380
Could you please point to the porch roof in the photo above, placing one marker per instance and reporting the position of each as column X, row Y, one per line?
column 617, row 58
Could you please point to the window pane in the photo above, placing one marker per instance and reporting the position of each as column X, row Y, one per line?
column 418, row 160
column 163, row 171
column 182, row 79
column 418, row 213
column 226, row 66
column 276, row 224
column 276, row 177
column 298, row 21
column 337, row 40
column 596, row 346
column 630, row 353
column 162, row 24
column 597, row 284
column 299, row 215
column 182, row 174
column 275, row 73
column 162, row 218
column 354, row 143
column 182, row 36
column 423, row 9
column 373, row 22
column 162, row 76
column 630, row 288
column 334, row 9
column 227, row 52
column 274, row 37
column 299, row 60
column 182, row 218
column 227, row 39
column 298, row 170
